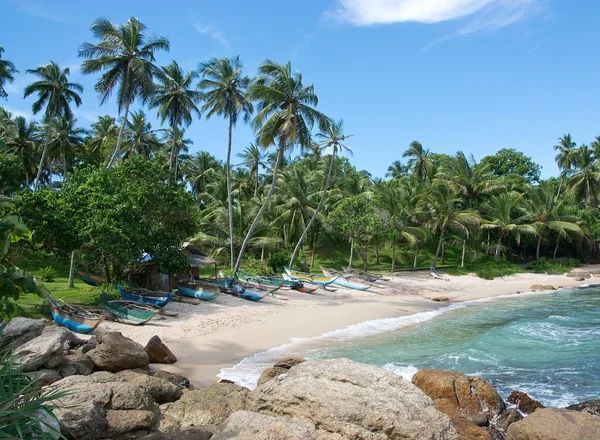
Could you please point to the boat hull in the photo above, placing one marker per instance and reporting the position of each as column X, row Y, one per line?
column 73, row 322
column 90, row 279
column 127, row 315
column 157, row 300
column 343, row 281
column 316, row 279
column 197, row 292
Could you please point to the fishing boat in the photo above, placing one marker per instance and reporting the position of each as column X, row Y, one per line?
column 197, row 289
column 303, row 276
column 301, row 286
column 347, row 281
column 128, row 312
column 75, row 319
column 365, row 276
column 144, row 296
column 90, row 278
column 260, row 282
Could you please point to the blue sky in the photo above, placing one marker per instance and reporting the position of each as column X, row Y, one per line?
column 471, row 75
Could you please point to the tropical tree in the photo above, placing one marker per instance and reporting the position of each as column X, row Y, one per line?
column 224, row 91
column 7, row 70
column 419, row 162
column 564, row 157
column 176, row 101
column 253, row 159
column 140, row 138
column 200, row 170
column 126, row 56
column 179, row 144
column 285, row 117
column 585, row 176
column 331, row 140
column 103, row 131
column 396, row 170
column 55, row 93
column 24, row 144
column 66, row 138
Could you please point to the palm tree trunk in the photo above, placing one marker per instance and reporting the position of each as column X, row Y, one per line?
column 439, row 248
column 443, row 253
column 539, row 243
column 464, row 253
column 36, row 186
column 64, row 152
column 263, row 207
column 256, row 180
column 229, row 197
column 393, row 256
column 416, row 256
column 556, row 248
column 314, row 216
column 351, row 253
column 262, row 256
column 377, row 253
column 72, row 271
column 314, row 244
column 119, row 139
column 498, row 247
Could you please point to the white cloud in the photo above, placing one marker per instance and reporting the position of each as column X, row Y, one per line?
column 213, row 32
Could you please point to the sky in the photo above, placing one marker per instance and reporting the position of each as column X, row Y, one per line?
column 470, row 75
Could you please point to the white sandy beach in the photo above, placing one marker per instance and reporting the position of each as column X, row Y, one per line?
column 215, row 335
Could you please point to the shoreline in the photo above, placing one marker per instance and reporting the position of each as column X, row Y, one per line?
column 209, row 337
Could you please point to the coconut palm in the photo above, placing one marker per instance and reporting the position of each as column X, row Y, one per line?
column 126, row 56
column 176, row 101
column 140, row 138
column 103, row 130
column 200, row 170
column 595, row 146
column 396, row 170
column 331, row 141
column 55, row 93
column 179, row 144
column 564, row 157
column 66, row 138
column 224, row 92
column 419, row 162
column 253, row 159
column 285, row 117
column 7, row 70
column 585, row 178
column 24, row 144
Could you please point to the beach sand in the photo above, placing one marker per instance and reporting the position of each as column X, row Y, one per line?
column 219, row 334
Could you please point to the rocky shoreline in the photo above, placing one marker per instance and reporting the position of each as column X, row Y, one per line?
column 109, row 393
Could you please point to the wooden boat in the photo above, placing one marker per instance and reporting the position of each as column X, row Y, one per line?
column 365, row 276
column 346, row 281
column 128, row 312
column 259, row 282
column 304, row 286
column 316, row 279
column 198, row 290
column 76, row 319
column 90, row 278
column 144, row 296
column 238, row 289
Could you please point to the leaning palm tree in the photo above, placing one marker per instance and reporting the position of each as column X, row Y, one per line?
column 224, row 91
column 24, row 144
column 331, row 140
column 7, row 70
column 564, row 157
column 286, row 114
column 585, row 178
column 56, row 93
column 419, row 162
column 66, row 138
column 126, row 56
column 176, row 101
column 253, row 159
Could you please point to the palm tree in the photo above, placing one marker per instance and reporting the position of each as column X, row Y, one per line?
column 396, row 170
column 140, row 138
column 200, row 170
column 286, row 114
column 585, row 178
column 24, row 144
column 564, row 157
column 66, row 137
column 176, row 101
column 506, row 215
column 331, row 139
column 127, row 57
column 7, row 69
column 595, row 146
column 419, row 162
column 56, row 93
column 179, row 144
column 253, row 159
column 103, row 130
column 224, row 90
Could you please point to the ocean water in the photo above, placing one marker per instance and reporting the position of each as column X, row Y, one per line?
column 547, row 345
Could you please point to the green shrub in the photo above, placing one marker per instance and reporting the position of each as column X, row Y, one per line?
column 278, row 260
column 47, row 274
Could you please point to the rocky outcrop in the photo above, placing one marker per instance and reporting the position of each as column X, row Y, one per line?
column 158, row 352
column 507, row 418
column 207, row 407
column 350, row 400
column 589, row 407
column 245, row 425
column 77, row 363
column 555, row 424
column 19, row 331
column 280, row 367
column 542, row 288
column 161, row 390
column 114, row 352
column 45, row 376
column 45, row 350
column 176, row 379
column 288, row 362
column 525, row 403
column 187, row 434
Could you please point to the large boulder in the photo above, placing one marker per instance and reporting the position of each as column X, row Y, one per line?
column 161, row 390
column 77, row 363
column 288, row 362
column 245, row 425
column 45, row 376
column 270, row 373
column 589, row 407
column 206, row 407
column 352, row 401
column 114, row 352
column 174, row 378
column 525, row 403
column 187, row 434
column 158, row 352
column 507, row 418
column 555, row 424
column 47, row 347
column 19, row 331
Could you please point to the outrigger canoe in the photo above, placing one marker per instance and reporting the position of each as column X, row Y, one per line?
column 128, row 312
column 239, row 289
column 74, row 318
column 302, row 286
column 347, row 281
column 91, row 279
column 316, row 279
column 199, row 290
column 144, row 296
column 259, row 282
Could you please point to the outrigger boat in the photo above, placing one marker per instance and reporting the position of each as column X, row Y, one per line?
column 90, row 278
column 198, row 289
column 301, row 285
column 347, row 281
column 260, row 282
column 128, row 312
column 366, row 276
column 315, row 279
column 144, row 296
column 76, row 319
column 239, row 289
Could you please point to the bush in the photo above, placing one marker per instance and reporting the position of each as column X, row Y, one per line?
column 255, row 266
column 279, row 260
column 47, row 274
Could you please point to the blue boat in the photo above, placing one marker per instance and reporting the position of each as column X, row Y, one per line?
column 91, row 279
column 159, row 299
column 74, row 318
column 236, row 288
column 198, row 290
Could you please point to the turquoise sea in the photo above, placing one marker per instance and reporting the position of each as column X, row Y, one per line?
column 547, row 345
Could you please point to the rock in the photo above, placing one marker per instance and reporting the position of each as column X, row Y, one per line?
column 549, row 287
column 440, row 299
column 45, row 376
column 555, row 424
column 589, row 407
column 38, row 351
column 352, row 401
column 177, row 379
column 77, row 364
column 115, row 352
column 55, row 361
column 245, row 425
column 579, row 274
column 540, row 288
column 270, row 373
column 525, row 403
column 288, row 362
column 206, row 407
column 120, row 422
column 579, row 279
column 89, row 345
column 507, row 418
column 467, row 428
column 187, row 434
column 161, row 390
column 19, row 331
column 158, row 352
